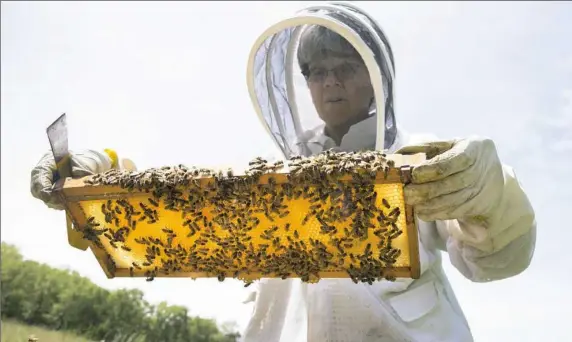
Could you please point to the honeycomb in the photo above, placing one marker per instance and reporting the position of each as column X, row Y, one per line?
column 336, row 215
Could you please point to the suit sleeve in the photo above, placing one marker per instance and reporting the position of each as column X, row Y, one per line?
column 500, row 249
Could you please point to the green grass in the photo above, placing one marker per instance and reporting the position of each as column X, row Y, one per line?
column 17, row 332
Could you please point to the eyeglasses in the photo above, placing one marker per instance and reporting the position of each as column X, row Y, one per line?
column 342, row 72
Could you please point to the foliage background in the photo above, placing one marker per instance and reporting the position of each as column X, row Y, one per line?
column 39, row 295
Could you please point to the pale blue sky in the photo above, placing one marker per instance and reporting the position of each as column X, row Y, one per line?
column 165, row 83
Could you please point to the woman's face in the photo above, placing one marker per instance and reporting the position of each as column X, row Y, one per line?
column 341, row 89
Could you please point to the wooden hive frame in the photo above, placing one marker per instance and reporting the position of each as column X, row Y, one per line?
column 76, row 191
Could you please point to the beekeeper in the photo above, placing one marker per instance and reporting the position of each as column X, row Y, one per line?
column 323, row 79
column 339, row 94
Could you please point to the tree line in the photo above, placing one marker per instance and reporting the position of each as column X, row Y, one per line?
column 37, row 294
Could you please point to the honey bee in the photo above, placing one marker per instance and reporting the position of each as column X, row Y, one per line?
column 395, row 234
column 394, row 212
column 385, row 203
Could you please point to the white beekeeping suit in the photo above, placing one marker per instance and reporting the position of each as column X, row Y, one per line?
column 469, row 204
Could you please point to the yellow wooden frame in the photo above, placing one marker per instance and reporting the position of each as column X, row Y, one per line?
column 75, row 191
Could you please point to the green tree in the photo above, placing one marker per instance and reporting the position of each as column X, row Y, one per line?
column 126, row 316
column 169, row 324
column 229, row 331
column 12, row 295
column 37, row 294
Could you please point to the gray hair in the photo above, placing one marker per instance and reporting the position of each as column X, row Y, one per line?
column 318, row 42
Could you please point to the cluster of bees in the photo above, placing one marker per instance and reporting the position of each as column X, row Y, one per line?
column 235, row 225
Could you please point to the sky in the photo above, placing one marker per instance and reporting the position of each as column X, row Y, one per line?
column 165, row 83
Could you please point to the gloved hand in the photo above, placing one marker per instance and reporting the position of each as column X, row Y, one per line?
column 463, row 180
column 83, row 164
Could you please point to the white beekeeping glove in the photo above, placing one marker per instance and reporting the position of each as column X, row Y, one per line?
column 463, row 179
column 84, row 163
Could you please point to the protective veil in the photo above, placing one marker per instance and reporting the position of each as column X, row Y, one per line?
column 405, row 310
column 279, row 91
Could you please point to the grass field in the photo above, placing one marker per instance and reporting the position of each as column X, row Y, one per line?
column 18, row 332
